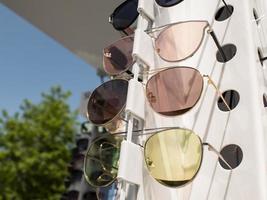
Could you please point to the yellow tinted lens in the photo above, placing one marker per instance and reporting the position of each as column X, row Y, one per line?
column 173, row 157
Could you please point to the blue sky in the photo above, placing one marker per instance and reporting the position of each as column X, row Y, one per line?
column 31, row 62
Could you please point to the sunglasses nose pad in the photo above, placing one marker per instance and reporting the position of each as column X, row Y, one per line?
column 151, row 97
column 150, row 163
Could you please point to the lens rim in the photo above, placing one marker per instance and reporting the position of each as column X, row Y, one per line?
column 169, row 68
column 117, row 10
column 87, row 156
column 166, row 6
column 178, row 23
column 129, row 63
column 118, row 115
column 200, row 164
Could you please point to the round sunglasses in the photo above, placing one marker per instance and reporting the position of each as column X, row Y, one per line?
column 124, row 16
column 191, row 33
column 173, row 157
column 117, row 57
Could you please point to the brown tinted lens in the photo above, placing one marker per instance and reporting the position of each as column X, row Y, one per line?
column 107, row 101
column 175, row 90
column 180, row 41
column 118, row 56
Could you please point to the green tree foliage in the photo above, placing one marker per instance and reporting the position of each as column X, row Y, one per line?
column 34, row 148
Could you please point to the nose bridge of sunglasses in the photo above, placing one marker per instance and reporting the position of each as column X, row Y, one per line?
column 211, row 82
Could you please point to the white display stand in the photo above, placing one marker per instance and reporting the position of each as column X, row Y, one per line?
column 245, row 125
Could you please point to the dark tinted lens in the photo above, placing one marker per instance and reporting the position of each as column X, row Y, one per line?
column 175, row 90
column 168, row 3
column 125, row 14
column 107, row 101
column 118, row 56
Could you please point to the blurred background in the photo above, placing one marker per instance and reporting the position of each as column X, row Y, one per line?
column 50, row 60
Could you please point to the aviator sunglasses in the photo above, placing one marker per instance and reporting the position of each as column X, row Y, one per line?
column 171, row 91
column 124, row 16
column 173, row 157
column 180, row 40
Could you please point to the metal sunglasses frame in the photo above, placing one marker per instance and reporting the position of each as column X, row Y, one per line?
column 151, row 132
column 163, row 28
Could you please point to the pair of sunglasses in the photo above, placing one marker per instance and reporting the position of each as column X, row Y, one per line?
column 124, row 16
column 175, row 42
column 173, row 157
column 172, row 91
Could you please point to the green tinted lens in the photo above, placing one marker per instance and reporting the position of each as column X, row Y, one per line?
column 101, row 161
column 173, row 157
column 96, row 174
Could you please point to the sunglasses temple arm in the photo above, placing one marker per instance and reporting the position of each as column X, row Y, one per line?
column 227, row 7
column 211, row 32
column 210, row 81
column 263, row 59
column 211, row 148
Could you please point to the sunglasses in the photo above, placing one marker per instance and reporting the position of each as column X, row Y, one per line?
column 171, row 91
column 173, row 157
column 117, row 57
column 124, row 16
column 181, row 40
column 106, row 103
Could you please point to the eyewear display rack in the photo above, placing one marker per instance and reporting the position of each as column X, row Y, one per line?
column 242, row 80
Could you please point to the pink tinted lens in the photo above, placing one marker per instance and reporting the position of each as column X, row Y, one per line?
column 117, row 57
column 175, row 90
column 107, row 101
column 180, row 41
